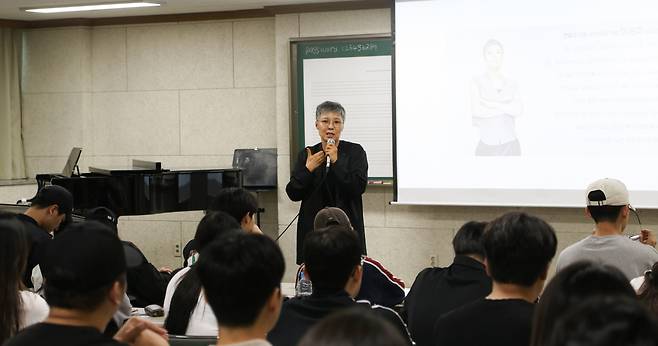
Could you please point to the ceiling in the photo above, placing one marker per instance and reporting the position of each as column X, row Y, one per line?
column 10, row 9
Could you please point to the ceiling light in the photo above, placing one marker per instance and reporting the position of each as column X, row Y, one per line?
column 95, row 7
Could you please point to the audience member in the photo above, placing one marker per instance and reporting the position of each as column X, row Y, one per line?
column 85, row 273
column 20, row 307
column 187, row 311
column 606, row 321
column 608, row 205
column 518, row 250
column 572, row 285
column 146, row 284
column 333, row 263
column 648, row 292
column 378, row 286
column 437, row 291
column 353, row 327
column 237, row 202
column 241, row 276
column 240, row 204
column 49, row 209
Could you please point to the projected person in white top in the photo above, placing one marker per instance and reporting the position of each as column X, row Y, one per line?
column 495, row 104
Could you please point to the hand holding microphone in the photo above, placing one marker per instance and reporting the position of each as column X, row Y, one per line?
column 332, row 152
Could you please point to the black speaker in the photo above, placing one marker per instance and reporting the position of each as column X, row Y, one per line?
column 258, row 167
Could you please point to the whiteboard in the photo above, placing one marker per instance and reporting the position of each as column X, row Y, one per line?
column 358, row 75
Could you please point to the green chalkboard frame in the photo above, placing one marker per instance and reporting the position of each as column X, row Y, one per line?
column 323, row 48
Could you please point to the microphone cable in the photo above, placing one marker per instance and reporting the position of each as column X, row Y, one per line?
column 296, row 216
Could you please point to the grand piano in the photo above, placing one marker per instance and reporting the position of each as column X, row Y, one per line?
column 145, row 188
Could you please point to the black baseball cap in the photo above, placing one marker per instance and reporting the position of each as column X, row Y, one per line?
column 85, row 257
column 55, row 194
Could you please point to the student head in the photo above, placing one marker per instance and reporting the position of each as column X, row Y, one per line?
column 648, row 292
column 606, row 321
column 212, row 226
column 331, row 216
column 607, row 201
column 241, row 274
column 353, row 327
column 329, row 120
column 468, row 240
column 239, row 203
column 14, row 247
column 332, row 257
column 51, row 207
column 104, row 216
column 570, row 286
column 85, row 270
column 518, row 249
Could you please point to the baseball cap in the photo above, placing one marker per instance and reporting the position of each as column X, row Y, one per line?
column 85, row 257
column 104, row 216
column 331, row 216
column 55, row 194
column 607, row 191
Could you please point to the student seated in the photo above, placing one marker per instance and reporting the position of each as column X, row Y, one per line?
column 437, row 291
column 85, row 273
column 609, row 206
column 379, row 286
column 572, row 285
column 241, row 275
column 186, row 308
column 20, row 307
column 146, row 283
column 332, row 256
column 518, row 249
column 606, row 321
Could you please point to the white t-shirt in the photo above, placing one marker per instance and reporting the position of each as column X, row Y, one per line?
column 34, row 309
column 202, row 319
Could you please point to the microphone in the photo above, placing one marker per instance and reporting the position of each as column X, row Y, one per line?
column 332, row 142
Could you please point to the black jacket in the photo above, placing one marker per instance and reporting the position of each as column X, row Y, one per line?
column 437, row 291
column 298, row 315
column 146, row 284
column 341, row 187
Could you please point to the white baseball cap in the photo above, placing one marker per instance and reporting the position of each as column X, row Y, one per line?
column 606, row 191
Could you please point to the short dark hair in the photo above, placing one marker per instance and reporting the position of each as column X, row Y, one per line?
column 605, row 213
column 330, row 256
column 606, row 321
column 235, row 201
column 330, row 106
column 353, row 327
column 213, row 225
column 239, row 273
column 518, row 248
column 468, row 240
column 570, row 286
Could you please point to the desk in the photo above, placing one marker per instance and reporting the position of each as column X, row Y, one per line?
column 139, row 313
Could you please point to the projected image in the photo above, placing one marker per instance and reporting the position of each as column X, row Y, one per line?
column 495, row 104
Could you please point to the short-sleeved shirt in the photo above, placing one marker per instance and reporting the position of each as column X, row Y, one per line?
column 61, row 335
column 631, row 257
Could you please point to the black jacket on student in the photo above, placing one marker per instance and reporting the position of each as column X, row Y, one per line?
column 437, row 291
column 298, row 315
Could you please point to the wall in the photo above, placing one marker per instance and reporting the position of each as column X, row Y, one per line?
column 169, row 92
column 186, row 94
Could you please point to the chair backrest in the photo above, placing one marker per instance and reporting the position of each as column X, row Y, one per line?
column 184, row 340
